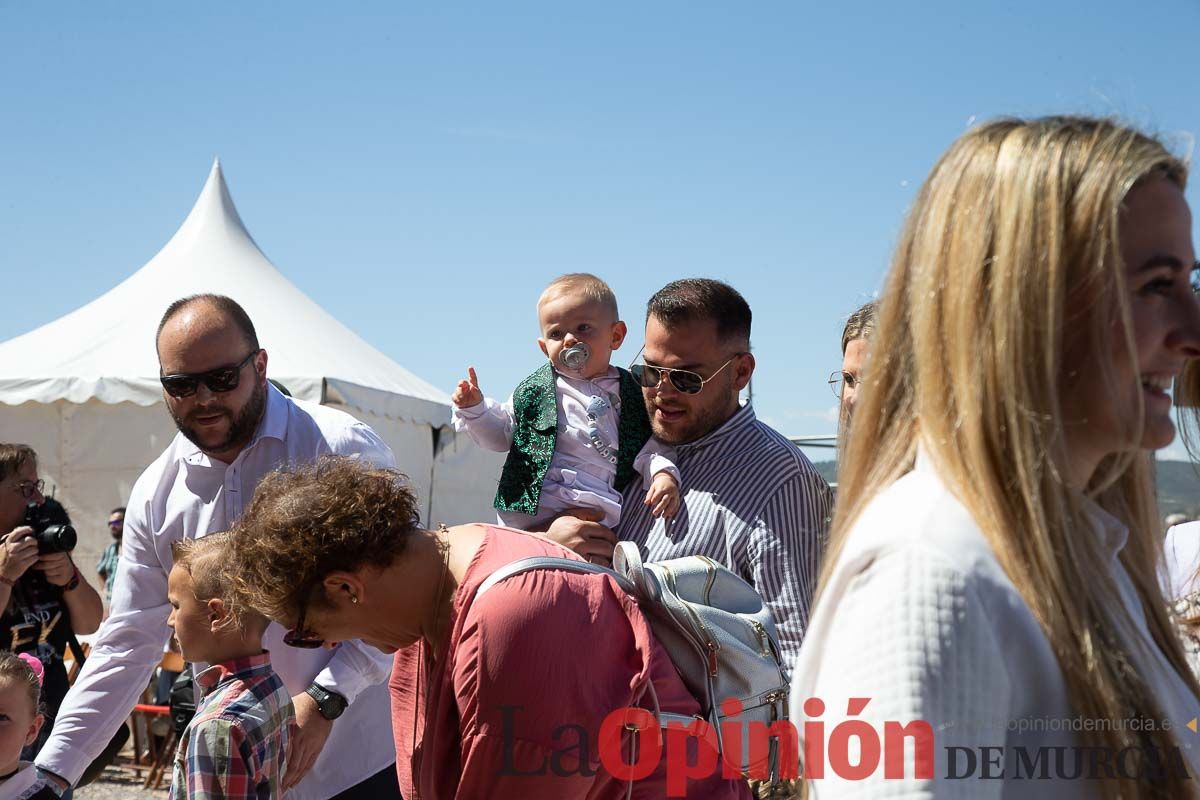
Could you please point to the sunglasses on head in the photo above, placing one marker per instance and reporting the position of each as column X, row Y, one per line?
column 301, row 637
column 221, row 379
column 684, row 380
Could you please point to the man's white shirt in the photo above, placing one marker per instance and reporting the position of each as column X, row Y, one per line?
column 185, row 494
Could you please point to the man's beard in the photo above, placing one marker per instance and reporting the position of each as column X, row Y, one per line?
column 241, row 428
column 703, row 422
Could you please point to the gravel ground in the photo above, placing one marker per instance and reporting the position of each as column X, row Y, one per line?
column 114, row 785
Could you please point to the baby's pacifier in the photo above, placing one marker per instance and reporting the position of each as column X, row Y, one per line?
column 574, row 357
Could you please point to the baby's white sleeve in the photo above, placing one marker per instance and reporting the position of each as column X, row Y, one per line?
column 653, row 458
column 489, row 424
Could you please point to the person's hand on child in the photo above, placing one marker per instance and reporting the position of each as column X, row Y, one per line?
column 467, row 394
column 663, row 497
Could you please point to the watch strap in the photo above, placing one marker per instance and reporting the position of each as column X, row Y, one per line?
column 323, row 697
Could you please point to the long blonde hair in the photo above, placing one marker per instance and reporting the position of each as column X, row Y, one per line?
column 1008, row 262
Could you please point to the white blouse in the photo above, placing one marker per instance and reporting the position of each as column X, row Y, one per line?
column 920, row 618
column 1182, row 553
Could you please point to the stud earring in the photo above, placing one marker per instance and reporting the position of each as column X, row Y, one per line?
column 353, row 599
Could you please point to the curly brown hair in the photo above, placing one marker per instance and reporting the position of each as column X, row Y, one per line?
column 336, row 513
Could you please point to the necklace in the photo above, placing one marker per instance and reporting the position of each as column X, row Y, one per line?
column 425, row 655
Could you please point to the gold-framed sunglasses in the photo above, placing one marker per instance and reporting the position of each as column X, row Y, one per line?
column 685, row 381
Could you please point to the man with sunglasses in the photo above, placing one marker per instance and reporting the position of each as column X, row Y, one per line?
column 751, row 500
column 234, row 428
column 106, row 567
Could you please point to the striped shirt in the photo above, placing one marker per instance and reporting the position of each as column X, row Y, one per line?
column 753, row 502
column 236, row 745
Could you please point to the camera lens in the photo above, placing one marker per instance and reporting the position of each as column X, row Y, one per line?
column 56, row 539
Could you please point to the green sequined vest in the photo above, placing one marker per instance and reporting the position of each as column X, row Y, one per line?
column 535, row 432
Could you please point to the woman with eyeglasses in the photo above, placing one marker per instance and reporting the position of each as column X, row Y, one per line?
column 991, row 576
column 43, row 595
column 856, row 335
column 499, row 695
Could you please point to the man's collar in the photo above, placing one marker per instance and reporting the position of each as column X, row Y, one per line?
column 275, row 418
column 273, row 426
column 741, row 419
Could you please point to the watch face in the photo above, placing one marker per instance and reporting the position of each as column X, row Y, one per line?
column 330, row 705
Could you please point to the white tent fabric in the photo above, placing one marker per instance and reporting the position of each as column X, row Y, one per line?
column 83, row 390
column 105, row 350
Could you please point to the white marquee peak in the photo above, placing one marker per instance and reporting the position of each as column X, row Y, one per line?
column 212, row 215
column 105, row 350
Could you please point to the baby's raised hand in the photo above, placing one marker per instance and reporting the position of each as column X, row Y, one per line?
column 467, row 393
column 663, row 497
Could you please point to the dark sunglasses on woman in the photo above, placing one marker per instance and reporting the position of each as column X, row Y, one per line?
column 221, row 379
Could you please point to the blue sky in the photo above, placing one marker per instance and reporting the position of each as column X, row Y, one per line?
column 422, row 171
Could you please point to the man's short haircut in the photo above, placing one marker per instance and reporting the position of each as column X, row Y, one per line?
column 583, row 283
column 225, row 305
column 206, row 560
column 13, row 457
column 860, row 325
column 694, row 299
column 115, row 510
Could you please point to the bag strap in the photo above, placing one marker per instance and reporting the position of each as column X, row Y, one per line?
column 76, row 648
column 552, row 562
column 627, row 560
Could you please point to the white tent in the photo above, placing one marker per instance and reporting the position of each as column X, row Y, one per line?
column 83, row 390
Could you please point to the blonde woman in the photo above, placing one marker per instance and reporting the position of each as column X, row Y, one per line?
column 989, row 594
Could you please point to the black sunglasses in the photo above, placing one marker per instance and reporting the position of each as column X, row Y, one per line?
column 221, row 379
column 685, row 381
column 299, row 636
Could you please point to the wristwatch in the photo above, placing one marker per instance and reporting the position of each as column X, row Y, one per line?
column 330, row 704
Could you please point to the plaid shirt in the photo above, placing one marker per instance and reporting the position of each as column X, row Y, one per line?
column 236, row 745
column 106, row 567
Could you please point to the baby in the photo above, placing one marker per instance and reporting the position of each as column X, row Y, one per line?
column 20, row 722
column 576, row 430
column 236, row 744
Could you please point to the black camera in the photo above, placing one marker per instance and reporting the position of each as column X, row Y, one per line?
column 52, row 533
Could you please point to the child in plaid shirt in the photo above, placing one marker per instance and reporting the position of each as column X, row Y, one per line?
column 236, row 745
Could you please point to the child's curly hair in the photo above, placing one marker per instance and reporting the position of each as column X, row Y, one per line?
column 206, row 560
column 336, row 513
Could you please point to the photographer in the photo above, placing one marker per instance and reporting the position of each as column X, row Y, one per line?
column 43, row 595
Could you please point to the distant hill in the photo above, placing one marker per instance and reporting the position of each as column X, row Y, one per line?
column 828, row 470
column 1178, row 488
column 1178, row 485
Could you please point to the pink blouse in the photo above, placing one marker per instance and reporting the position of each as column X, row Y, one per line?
column 514, row 704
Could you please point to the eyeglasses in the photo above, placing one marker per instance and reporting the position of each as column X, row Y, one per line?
column 116, row 523
column 839, row 379
column 29, row 488
column 300, row 636
column 221, row 379
column 685, row 381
